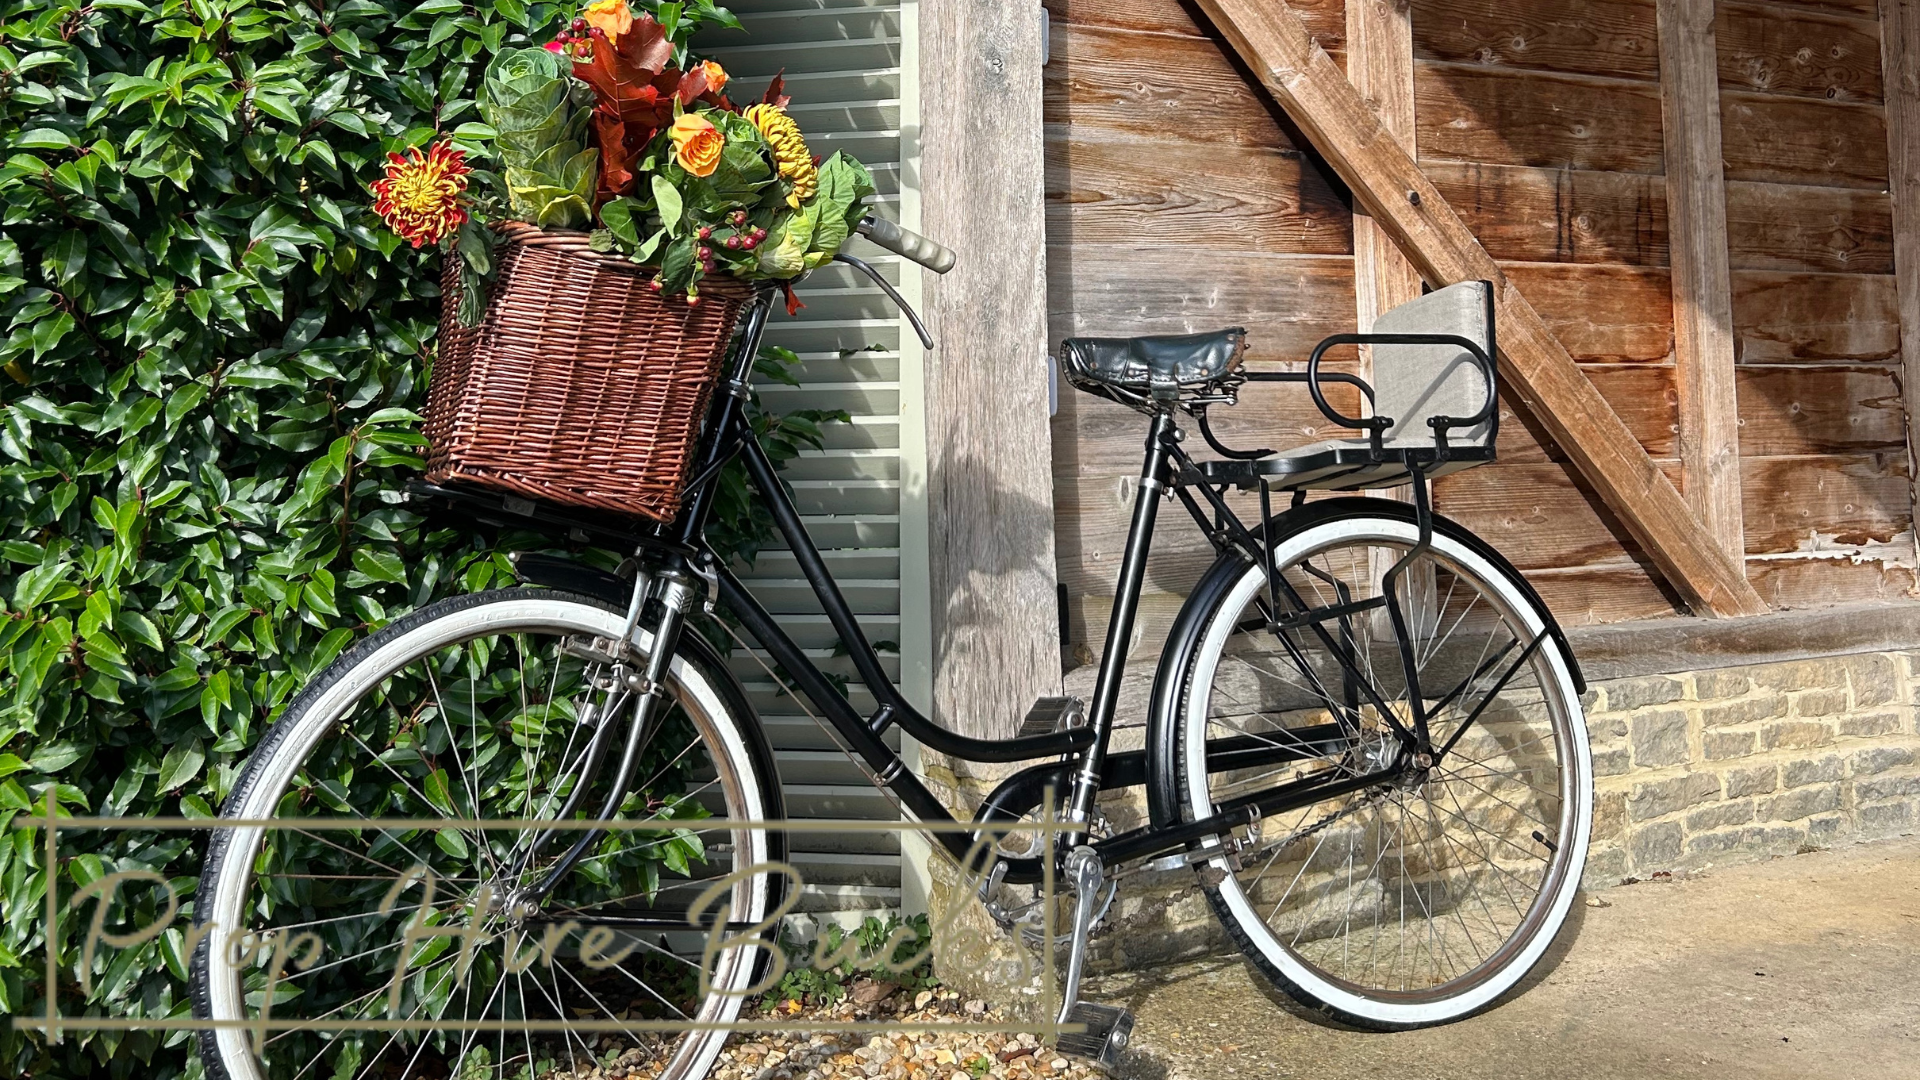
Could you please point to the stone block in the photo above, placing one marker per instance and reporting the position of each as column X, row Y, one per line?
column 1660, row 738
column 1709, row 845
column 1602, row 730
column 1828, row 671
column 1870, row 724
column 1795, row 735
column 1627, row 695
column 1721, row 745
column 1609, row 816
column 1886, row 819
column 1720, row 815
column 1605, row 867
column 1656, row 846
column 1826, row 829
column 1611, row 762
column 1777, row 839
column 1659, row 798
column 1879, row 759
column 1883, row 788
column 1758, row 780
column 1744, row 711
column 1800, row 773
column 1721, row 684
column 1819, row 703
column 1875, row 678
column 1801, row 802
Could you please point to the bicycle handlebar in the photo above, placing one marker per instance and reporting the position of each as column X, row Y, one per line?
column 901, row 241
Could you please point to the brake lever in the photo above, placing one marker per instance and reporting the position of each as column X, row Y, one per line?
column 892, row 294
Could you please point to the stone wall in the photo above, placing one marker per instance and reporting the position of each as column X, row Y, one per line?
column 1748, row 762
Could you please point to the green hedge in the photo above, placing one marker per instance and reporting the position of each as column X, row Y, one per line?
column 213, row 352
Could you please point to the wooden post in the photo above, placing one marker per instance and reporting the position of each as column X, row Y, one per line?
column 1380, row 66
column 1306, row 82
column 1702, row 282
column 995, row 617
column 1900, row 74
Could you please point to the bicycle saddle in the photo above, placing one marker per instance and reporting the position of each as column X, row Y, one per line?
column 1127, row 369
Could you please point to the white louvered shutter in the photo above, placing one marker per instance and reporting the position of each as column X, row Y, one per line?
column 842, row 61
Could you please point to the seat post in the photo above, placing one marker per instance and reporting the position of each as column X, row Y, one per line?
column 1155, row 480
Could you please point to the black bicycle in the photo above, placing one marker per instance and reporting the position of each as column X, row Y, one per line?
column 1365, row 737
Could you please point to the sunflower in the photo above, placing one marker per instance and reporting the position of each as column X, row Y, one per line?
column 422, row 197
column 790, row 151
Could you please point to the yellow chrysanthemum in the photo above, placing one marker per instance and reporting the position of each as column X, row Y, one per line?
column 790, row 151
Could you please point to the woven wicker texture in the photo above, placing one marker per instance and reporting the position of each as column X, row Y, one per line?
column 580, row 386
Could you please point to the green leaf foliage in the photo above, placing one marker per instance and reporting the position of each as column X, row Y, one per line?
column 215, row 358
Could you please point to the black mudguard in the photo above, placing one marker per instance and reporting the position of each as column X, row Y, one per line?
column 1176, row 659
column 554, row 572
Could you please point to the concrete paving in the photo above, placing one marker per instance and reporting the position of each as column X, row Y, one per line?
column 1801, row 967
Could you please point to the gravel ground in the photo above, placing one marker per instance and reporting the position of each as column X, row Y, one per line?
column 961, row 1054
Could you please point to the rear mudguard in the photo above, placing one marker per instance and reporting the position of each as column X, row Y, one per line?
column 1183, row 640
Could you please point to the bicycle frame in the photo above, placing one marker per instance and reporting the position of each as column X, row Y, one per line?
column 1088, row 767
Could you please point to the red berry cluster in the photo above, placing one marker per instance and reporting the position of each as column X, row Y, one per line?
column 578, row 38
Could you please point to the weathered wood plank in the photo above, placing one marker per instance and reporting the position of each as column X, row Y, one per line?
column 1558, row 215
column 1642, row 394
column 1280, row 50
column 1589, row 595
column 996, row 635
column 1765, row 47
column 1584, row 37
column 1288, row 303
column 1325, row 18
column 1702, row 285
column 1601, row 314
column 1107, row 190
column 1533, row 118
column 1804, row 503
column 1789, row 140
column 1858, row 9
column 1819, row 410
column 1153, row 86
column 1805, row 583
column 1794, row 318
column 1785, row 227
column 1900, row 57
column 1539, row 515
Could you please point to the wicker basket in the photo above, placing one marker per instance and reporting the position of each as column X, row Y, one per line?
column 580, row 386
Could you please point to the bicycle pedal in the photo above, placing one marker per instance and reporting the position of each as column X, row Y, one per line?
column 1109, row 1027
column 1051, row 714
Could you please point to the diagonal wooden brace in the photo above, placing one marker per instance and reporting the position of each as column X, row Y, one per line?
column 1384, row 177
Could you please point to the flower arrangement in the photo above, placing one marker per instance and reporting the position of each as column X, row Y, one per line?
column 614, row 127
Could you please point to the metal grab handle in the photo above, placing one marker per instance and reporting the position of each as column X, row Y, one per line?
column 927, row 253
column 1374, row 424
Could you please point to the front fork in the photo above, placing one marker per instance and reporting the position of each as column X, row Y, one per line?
column 643, row 689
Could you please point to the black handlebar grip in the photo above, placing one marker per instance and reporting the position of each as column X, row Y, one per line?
column 900, row 241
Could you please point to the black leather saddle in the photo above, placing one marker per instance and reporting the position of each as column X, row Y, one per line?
column 1130, row 370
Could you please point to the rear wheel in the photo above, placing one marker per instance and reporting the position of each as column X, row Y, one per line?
column 1419, row 900
column 484, row 707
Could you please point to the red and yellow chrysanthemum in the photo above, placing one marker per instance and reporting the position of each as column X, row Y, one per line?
column 423, row 197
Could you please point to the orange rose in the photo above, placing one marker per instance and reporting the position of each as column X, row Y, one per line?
column 716, row 75
column 612, row 17
column 696, row 143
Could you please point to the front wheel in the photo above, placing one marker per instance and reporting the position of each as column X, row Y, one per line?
column 436, row 951
column 1420, row 900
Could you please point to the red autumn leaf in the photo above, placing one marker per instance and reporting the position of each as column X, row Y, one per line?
column 635, row 90
column 775, row 94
